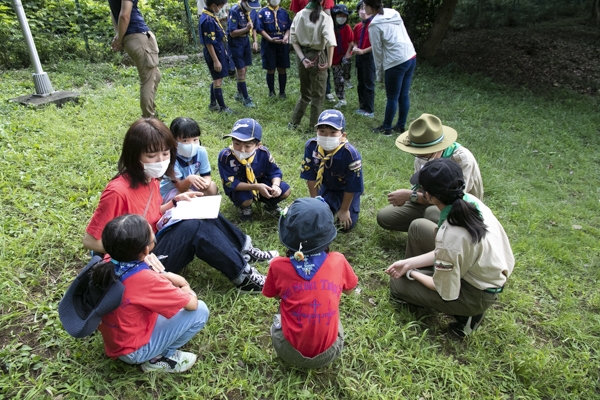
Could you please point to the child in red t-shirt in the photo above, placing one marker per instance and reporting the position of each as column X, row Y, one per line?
column 309, row 282
column 342, row 54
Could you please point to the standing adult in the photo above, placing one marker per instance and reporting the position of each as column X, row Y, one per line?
column 472, row 258
column 134, row 36
column 395, row 61
column 313, row 38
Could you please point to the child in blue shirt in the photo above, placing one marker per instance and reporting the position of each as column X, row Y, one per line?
column 332, row 168
column 274, row 24
column 249, row 172
column 212, row 36
column 241, row 23
column 191, row 169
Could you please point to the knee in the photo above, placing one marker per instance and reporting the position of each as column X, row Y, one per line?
column 211, row 190
column 247, row 203
column 201, row 313
column 383, row 220
column 286, row 194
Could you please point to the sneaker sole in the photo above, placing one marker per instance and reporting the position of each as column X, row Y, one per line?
column 168, row 370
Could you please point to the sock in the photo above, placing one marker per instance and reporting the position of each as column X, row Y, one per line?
column 271, row 82
column 219, row 96
column 282, row 83
column 213, row 99
column 241, row 85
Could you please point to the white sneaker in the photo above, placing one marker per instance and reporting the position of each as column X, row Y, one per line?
column 330, row 97
column 340, row 104
column 253, row 282
column 180, row 361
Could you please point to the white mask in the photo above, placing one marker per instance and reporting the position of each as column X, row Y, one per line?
column 341, row 20
column 242, row 155
column 275, row 3
column 156, row 169
column 187, row 149
column 328, row 143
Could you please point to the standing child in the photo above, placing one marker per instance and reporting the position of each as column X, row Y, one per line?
column 274, row 26
column 332, row 168
column 249, row 172
column 343, row 52
column 308, row 333
column 240, row 26
column 212, row 36
column 365, row 66
column 159, row 312
column 222, row 15
column 191, row 169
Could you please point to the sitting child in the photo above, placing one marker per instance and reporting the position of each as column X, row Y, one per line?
column 192, row 169
column 332, row 168
column 249, row 172
column 159, row 312
column 308, row 332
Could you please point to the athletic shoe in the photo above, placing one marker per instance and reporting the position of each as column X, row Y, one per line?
column 282, row 96
column 398, row 129
column 246, row 213
column 330, row 97
column 340, row 104
column 248, row 103
column 292, row 127
column 227, row 110
column 382, row 130
column 274, row 211
column 253, row 254
column 465, row 326
column 238, row 97
column 180, row 361
column 252, row 283
column 348, row 84
column 271, row 94
column 214, row 107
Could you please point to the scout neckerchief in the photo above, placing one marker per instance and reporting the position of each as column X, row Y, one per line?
column 247, row 15
column 249, row 172
column 365, row 26
column 210, row 14
column 124, row 270
column 324, row 158
column 308, row 265
column 444, row 213
column 275, row 16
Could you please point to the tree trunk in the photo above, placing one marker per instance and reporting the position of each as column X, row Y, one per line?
column 439, row 28
column 596, row 12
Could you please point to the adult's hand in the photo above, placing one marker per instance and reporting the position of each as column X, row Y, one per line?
column 398, row 269
column 397, row 198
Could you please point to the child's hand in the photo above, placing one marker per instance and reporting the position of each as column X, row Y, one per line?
column 217, row 66
column 188, row 196
column 357, row 51
column 255, row 46
column 345, row 219
column 275, row 191
column 154, row 263
column 197, row 182
column 176, row 280
column 398, row 269
column 264, row 190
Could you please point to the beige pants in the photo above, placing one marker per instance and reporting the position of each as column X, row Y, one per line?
column 399, row 218
column 143, row 50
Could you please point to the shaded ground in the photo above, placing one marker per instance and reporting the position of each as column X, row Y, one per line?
column 562, row 53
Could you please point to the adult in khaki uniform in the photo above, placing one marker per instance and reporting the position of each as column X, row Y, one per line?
column 134, row 36
column 472, row 258
column 427, row 139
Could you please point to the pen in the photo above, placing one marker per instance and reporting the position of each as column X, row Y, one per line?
column 162, row 257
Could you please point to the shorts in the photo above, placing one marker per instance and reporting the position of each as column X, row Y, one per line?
column 222, row 56
column 241, row 51
column 238, row 197
column 274, row 55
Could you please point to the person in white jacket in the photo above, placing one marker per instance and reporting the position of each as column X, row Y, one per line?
column 395, row 61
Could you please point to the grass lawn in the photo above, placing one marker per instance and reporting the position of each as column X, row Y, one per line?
column 540, row 165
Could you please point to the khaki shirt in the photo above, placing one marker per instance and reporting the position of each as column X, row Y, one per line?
column 471, row 174
column 317, row 36
column 485, row 265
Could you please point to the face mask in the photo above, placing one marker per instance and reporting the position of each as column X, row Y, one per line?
column 156, row 169
column 328, row 143
column 341, row 20
column 275, row 3
column 242, row 155
column 187, row 149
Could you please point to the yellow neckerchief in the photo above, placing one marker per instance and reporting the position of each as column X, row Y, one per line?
column 210, row 14
column 275, row 15
column 247, row 15
column 249, row 171
column 324, row 158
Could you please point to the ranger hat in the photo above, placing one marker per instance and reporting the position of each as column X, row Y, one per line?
column 426, row 135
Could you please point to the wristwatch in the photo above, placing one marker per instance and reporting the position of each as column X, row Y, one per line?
column 414, row 197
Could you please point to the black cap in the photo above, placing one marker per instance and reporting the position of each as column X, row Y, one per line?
column 441, row 176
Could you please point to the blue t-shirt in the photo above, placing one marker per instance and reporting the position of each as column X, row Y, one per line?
column 136, row 21
column 274, row 22
column 342, row 173
column 210, row 31
column 233, row 172
column 239, row 20
column 186, row 166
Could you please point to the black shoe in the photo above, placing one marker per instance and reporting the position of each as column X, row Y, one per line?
column 253, row 282
column 282, row 96
column 246, row 213
column 271, row 94
column 252, row 254
column 382, row 130
column 465, row 326
column 399, row 129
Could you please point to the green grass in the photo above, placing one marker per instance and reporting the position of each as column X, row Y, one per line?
column 540, row 165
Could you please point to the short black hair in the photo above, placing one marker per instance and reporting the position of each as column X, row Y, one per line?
column 183, row 128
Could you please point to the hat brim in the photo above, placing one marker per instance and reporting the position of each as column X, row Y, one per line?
column 241, row 137
column 450, row 136
column 254, row 4
column 336, row 127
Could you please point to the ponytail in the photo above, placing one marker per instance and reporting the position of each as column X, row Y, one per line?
column 467, row 216
column 315, row 14
column 103, row 275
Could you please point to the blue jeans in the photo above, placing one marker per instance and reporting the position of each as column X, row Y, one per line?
column 170, row 334
column 397, row 87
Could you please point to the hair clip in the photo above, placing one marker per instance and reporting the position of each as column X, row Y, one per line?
column 299, row 255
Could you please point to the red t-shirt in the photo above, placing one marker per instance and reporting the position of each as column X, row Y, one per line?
column 357, row 32
column 118, row 198
column 298, row 5
column 343, row 36
column 310, row 309
column 130, row 326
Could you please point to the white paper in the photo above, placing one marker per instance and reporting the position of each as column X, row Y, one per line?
column 205, row 207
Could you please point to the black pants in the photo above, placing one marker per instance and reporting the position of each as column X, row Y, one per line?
column 365, row 71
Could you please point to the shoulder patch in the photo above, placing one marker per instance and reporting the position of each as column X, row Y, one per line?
column 355, row 165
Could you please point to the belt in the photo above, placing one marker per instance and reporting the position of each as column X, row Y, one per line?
column 306, row 48
column 494, row 290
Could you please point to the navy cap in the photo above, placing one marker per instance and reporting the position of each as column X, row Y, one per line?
column 254, row 4
column 246, row 129
column 333, row 118
column 307, row 222
column 340, row 9
column 84, row 304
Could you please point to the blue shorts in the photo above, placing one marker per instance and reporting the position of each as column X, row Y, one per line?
column 222, row 56
column 241, row 51
column 239, row 197
column 274, row 55
column 334, row 199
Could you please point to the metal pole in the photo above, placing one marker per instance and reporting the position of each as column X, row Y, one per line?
column 43, row 87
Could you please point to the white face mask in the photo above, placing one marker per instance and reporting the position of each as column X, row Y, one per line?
column 242, row 155
column 341, row 20
column 275, row 3
column 187, row 149
column 328, row 143
column 156, row 169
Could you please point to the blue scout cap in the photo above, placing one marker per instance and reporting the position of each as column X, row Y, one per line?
column 307, row 222
column 333, row 118
column 340, row 9
column 246, row 129
column 254, row 4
